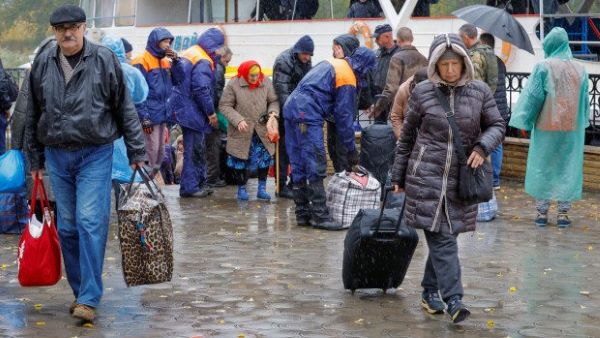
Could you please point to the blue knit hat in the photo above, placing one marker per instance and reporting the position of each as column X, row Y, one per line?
column 304, row 45
column 380, row 29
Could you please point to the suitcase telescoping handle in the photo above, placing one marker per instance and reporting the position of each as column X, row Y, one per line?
column 385, row 196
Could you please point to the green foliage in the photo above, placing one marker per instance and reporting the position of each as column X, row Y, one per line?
column 24, row 23
column 11, row 59
column 340, row 9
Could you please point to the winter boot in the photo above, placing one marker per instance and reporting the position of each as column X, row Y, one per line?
column 285, row 191
column 242, row 194
column 262, row 194
column 300, row 192
column 320, row 212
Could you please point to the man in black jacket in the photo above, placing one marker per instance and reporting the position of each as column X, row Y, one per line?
column 501, row 103
column 78, row 105
column 387, row 48
column 213, row 139
column 289, row 68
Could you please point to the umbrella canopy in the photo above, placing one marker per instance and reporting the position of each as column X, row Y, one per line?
column 497, row 22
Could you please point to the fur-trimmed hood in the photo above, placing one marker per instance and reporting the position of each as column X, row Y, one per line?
column 438, row 47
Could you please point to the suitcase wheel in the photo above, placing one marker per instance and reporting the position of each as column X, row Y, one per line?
column 353, row 290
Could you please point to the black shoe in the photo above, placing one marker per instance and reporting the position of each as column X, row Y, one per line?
column 303, row 221
column 217, row 184
column 432, row 303
column 457, row 310
column 285, row 192
column 198, row 194
column 326, row 225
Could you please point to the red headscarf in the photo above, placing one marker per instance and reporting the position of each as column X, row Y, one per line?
column 244, row 72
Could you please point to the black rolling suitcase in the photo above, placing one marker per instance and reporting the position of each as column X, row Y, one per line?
column 378, row 249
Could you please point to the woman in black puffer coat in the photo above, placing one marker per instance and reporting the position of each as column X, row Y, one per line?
column 426, row 166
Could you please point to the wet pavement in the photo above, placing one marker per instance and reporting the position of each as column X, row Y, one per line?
column 246, row 270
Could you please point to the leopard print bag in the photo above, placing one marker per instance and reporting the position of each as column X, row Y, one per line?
column 145, row 234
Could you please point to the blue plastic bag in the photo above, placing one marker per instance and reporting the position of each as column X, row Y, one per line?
column 12, row 171
column 121, row 171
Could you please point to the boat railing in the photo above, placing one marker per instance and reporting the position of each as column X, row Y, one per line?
column 515, row 83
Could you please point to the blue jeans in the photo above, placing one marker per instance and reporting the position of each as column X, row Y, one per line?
column 497, row 164
column 81, row 181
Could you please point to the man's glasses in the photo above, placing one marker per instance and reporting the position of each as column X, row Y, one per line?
column 62, row 29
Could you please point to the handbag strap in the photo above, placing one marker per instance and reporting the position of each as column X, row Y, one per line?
column 456, row 139
column 145, row 180
column 34, row 191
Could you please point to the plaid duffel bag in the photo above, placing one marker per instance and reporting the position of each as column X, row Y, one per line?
column 347, row 193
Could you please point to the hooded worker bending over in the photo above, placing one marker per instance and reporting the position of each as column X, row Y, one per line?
column 329, row 88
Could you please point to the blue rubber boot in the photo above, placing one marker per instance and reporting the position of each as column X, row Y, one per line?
column 262, row 194
column 242, row 194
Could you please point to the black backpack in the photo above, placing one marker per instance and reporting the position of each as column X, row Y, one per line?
column 8, row 90
column 377, row 148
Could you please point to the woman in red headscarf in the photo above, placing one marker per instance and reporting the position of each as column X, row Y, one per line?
column 250, row 104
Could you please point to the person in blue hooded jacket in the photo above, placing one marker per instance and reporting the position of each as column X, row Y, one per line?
column 193, row 105
column 155, row 65
column 138, row 88
column 330, row 88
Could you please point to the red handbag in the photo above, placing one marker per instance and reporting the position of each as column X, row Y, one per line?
column 38, row 254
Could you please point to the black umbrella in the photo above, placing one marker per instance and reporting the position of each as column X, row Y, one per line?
column 497, row 22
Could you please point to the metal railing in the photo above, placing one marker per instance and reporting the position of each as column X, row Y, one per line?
column 515, row 83
column 18, row 74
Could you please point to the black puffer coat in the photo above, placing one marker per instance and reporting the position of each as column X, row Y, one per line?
column 287, row 73
column 426, row 165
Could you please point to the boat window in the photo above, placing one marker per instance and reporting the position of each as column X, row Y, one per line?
column 103, row 14
column 125, row 13
column 156, row 12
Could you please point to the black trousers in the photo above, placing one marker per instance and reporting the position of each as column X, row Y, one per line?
column 337, row 150
column 442, row 270
column 213, row 153
column 284, row 160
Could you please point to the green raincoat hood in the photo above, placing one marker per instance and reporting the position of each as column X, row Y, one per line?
column 556, row 44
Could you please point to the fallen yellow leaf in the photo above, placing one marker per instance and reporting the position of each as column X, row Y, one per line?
column 40, row 323
column 512, row 289
column 38, row 306
column 490, row 324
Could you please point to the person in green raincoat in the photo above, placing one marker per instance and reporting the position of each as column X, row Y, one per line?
column 554, row 106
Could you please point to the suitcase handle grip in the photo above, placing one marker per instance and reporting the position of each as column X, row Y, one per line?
column 385, row 196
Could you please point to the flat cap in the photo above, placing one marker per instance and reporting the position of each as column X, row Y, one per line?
column 381, row 29
column 67, row 14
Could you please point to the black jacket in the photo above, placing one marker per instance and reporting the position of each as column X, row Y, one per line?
column 219, row 83
column 94, row 108
column 379, row 74
column 363, row 10
column 287, row 73
column 500, row 93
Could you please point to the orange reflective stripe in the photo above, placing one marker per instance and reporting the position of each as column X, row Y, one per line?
column 149, row 62
column 343, row 73
column 196, row 53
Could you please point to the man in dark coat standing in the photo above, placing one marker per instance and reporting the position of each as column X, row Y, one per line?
column 387, row 48
column 363, row 9
column 290, row 67
column 213, row 137
column 403, row 65
column 74, row 114
column 8, row 95
column 501, row 103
